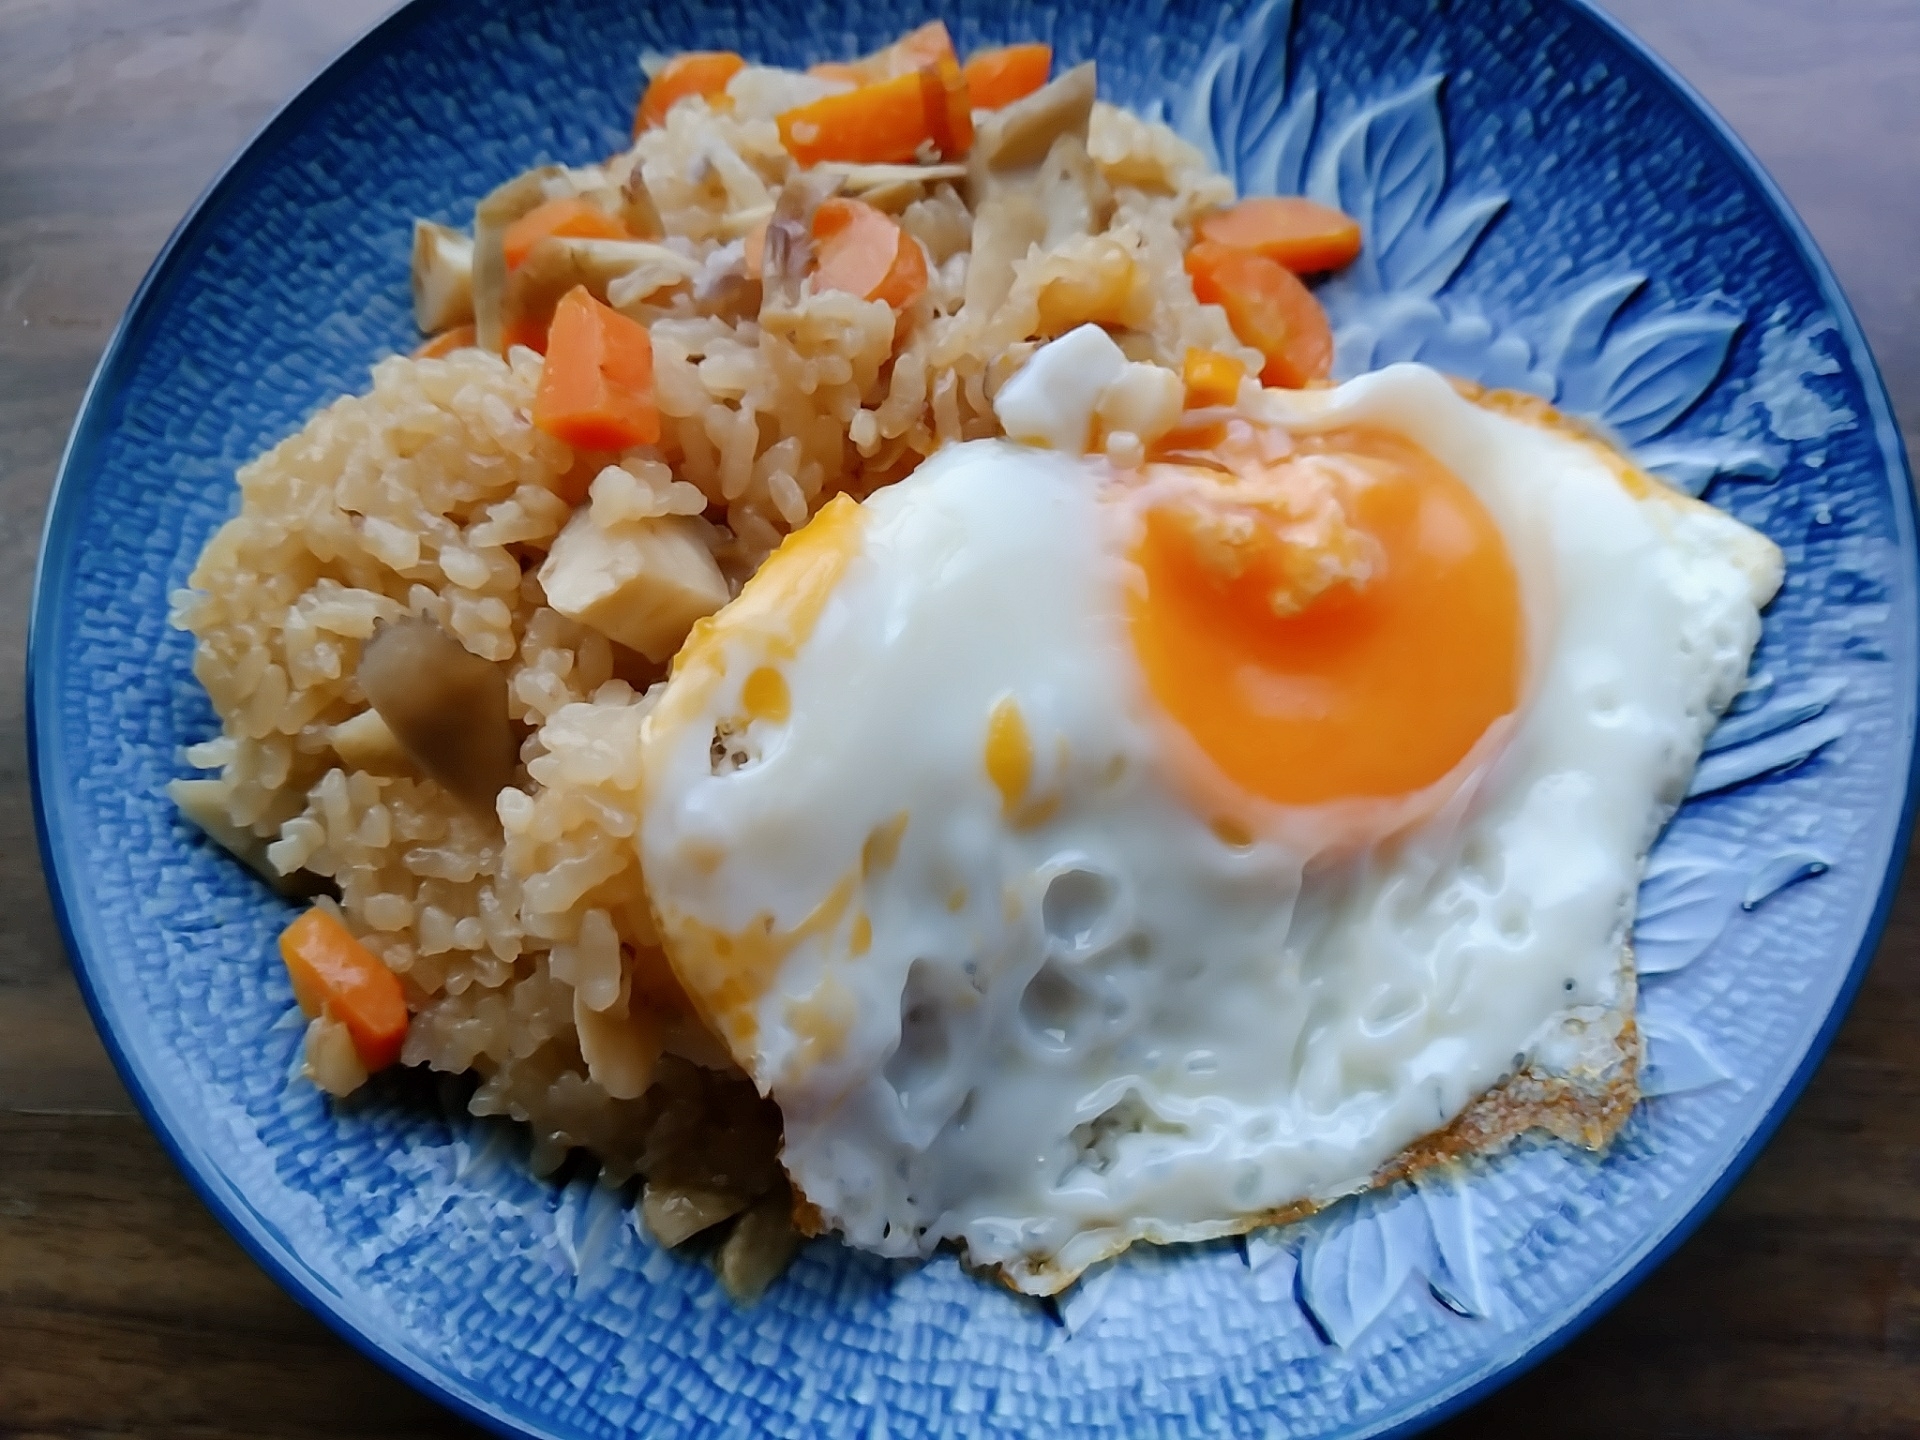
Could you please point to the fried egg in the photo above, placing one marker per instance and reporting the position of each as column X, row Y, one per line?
column 1083, row 855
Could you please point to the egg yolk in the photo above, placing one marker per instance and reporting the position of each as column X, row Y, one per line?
column 1341, row 623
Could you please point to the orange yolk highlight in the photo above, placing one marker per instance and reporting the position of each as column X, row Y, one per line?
column 1009, row 753
column 1342, row 623
column 765, row 697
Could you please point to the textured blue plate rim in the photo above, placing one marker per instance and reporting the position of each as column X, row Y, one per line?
column 269, row 1249
column 46, row 765
column 1900, row 476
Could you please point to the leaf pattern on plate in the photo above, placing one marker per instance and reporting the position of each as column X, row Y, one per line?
column 1694, row 467
column 1639, row 376
column 1454, row 336
column 585, row 1225
column 1675, row 1059
column 1387, row 167
column 1684, row 906
column 1360, row 1255
column 1237, row 110
column 1782, row 734
column 1079, row 1306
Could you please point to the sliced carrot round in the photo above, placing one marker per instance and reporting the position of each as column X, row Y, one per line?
column 1301, row 234
column 906, row 279
column 1268, row 308
column 863, row 252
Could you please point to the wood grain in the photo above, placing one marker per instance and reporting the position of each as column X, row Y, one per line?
column 124, row 1308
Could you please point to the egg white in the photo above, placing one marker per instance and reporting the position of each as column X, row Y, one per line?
column 1046, row 1032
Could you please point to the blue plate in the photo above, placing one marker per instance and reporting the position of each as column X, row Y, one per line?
column 1545, row 206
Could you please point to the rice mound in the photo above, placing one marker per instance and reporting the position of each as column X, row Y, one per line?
column 523, row 939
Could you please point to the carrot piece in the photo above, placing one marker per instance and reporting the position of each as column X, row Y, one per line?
column 835, row 216
column 596, row 391
column 445, row 343
column 881, row 123
column 334, row 972
column 1212, row 378
column 698, row 72
column 1301, row 234
column 949, row 108
column 524, row 330
column 571, row 216
column 906, row 279
column 1268, row 308
column 864, row 253
column 1000, row 77
column 847, row 70
column 1194, row 439
column 928, row 45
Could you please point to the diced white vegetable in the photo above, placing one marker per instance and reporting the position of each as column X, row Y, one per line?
column 641, row 583
column 1145, row 399
column 331, row 1061
column 1051, row 400
column 442, row 277
column 366, row 742
column 204, row 802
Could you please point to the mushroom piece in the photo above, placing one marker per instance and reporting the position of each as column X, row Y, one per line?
column 619, row 272
column 1042, row 205
column 1072, row 194
column 889, row 187
column 442, row 277
column 637, row 210
column 501, row 207
column 1017, row 137
column 1005, row 228
column 787, row 254
column 445, row 705
column 1030, row 182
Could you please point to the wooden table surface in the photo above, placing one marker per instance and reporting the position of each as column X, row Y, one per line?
column 126, row 1310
